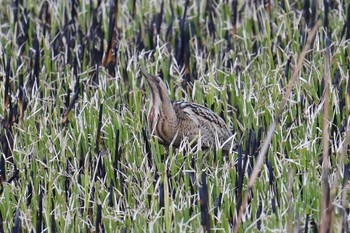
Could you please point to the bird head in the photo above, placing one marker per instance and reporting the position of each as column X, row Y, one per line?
column 159, row 91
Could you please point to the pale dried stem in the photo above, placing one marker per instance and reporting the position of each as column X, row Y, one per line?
column 326, row 210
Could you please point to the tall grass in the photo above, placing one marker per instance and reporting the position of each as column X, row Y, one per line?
column 76, row 153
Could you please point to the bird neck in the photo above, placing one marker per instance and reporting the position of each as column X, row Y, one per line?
column 168, row 112
column 163, row 119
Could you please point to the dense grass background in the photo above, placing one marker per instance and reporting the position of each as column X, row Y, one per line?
column 76, row 155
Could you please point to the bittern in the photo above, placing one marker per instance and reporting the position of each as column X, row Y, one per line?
column 173, row 121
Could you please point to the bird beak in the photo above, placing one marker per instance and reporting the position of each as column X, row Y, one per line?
column 150, row 78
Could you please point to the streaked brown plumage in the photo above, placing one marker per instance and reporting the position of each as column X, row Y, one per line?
column 173, row 121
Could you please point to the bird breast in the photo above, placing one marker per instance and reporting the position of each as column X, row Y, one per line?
column 163, row 124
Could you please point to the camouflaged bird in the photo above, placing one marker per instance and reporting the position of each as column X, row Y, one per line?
column 174, row 121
